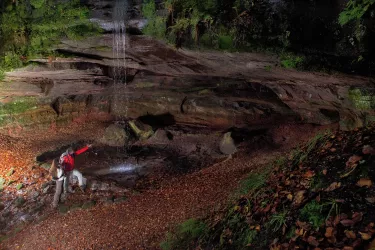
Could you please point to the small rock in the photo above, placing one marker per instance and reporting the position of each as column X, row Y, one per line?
column 227, row 145
column 46, row 166
column 333, row 150
column 25, row 218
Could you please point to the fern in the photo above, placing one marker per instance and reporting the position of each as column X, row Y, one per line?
column 355, row 10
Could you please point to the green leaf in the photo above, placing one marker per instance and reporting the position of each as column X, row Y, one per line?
column 10, row 172
column 19, row 186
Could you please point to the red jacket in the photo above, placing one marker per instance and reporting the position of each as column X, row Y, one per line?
column 67, row 160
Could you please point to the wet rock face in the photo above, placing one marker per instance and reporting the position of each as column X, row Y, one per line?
column 193, row 89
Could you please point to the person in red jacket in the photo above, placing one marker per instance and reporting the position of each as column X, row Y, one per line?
column 67, row 164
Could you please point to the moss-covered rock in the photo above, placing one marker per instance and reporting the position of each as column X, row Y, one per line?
column 115, row 136
column 141, row 130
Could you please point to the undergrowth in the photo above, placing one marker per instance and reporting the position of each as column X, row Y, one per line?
column 185, row 235
column 30, row 29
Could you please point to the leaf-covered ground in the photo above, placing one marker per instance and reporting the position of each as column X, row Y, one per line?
column 142, row 220
column 320, row 196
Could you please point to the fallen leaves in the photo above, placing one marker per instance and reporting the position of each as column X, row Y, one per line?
column 350, row 234
column 353, row 161
column 299, row 197
column 312, row 241
column 368, row 150
column 347, row 223
column 365, row 236
column 364, row 182
column 333, row 186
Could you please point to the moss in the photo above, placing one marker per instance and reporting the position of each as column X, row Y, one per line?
column 103, row 48
column 186, row 233
column 291, row 61
column 361, row 99
column 204, row 92
column 9, row 111
column 312, row 212
column 17, row 106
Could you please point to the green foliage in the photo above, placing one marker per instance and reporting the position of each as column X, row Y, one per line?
column 312, row 212
column 225, row 42
column 291, row 61
column 10, row 172
column 30, row 28
column 2, row 74
column 246, row 237
column 277, row 221
column 19, row 186
column 185, row 234
column 252, row 183
column 240, row 233
column 355, row 10
column 299, row 155
column 156, row 25
column 2, row 182
column 268, row 68
column 11, row 60
column 18, row 106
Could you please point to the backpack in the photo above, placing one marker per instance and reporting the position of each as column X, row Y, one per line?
column 61, row 161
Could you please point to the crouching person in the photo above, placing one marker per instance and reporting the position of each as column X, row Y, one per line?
column 59, row 177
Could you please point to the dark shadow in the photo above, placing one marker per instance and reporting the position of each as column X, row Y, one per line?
column 332, row 115
column 158, row 121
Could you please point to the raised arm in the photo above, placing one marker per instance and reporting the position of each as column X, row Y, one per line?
column 82, row 150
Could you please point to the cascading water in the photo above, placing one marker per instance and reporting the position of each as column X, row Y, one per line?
column 119, row 57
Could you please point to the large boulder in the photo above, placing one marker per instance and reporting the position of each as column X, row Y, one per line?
column 227, row 145
column 115, row 136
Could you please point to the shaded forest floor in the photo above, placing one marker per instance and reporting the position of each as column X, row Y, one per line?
column 321, row 196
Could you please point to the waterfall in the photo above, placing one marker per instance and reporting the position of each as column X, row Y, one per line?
column 119, row 55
